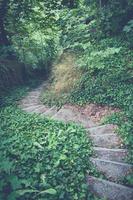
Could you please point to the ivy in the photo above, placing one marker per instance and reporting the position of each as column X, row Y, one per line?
column 41, row 158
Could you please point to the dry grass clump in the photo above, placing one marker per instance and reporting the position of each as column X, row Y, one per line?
column 64, row 76
column 65, row 73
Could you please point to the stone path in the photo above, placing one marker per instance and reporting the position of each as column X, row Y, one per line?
column 109, row 157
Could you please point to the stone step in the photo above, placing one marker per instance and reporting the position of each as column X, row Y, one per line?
column 29, row 101
column 69, row 115
column 50, row 112
column 34, row 93
column 109, row 190
column 118, row 155
column 104, row 129
column 40, row 110
column 112, row 170
column 31, row 97
column 43, row 85
column 26, row 105
column 39, row 88
column 31, row 108
column 106, row 141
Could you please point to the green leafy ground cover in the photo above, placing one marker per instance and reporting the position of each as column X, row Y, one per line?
column 41, row 158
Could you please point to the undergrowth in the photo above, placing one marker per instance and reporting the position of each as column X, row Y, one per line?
column 107, row 80
column 41, row 158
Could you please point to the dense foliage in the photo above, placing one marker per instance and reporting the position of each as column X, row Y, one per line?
column 41, row 158
column 100, row 34
column 29, row 32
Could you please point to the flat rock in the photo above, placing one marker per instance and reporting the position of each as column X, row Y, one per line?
column 113, row 171
column 109, row 190
column 104, row 129
column 69, row 115
column 118, row 155
column 107, row 141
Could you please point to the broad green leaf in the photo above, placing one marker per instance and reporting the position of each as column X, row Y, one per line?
column 22, row 192
column 49, row 191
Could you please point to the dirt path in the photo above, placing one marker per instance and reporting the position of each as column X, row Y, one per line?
column 109, row 157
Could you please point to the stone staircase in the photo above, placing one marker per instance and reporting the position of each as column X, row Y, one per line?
column 109, row 157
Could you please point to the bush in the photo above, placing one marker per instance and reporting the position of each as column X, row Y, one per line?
column 37, row 51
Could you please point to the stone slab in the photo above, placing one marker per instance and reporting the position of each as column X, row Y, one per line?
column 104, row 129
column 113, row 171
column 69, row 115
column 26, row 105
column 118, row 155
column 109, row 190
column 31, row 108
column 50, row 112
column 106, row 141
column 40, row 110
column 29, row 101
